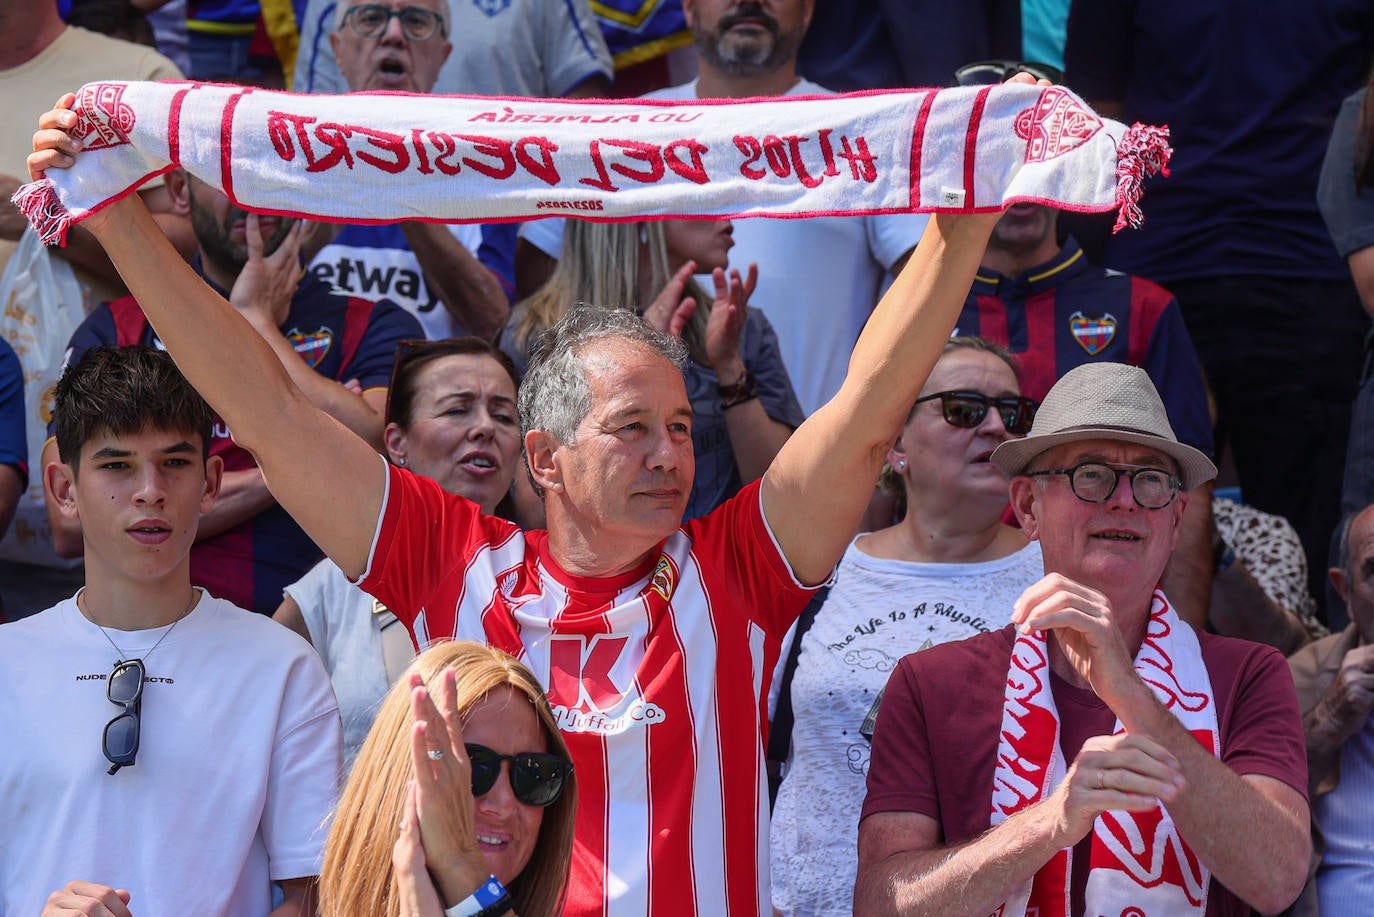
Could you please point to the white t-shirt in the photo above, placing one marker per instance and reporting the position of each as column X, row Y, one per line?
column 818, row 278
column 655, row 678
column 236, row 773
column 375, row 262
column 877, row 612
column 500, row 48
column 347, row 635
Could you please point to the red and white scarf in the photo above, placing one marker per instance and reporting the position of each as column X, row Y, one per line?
column 386, row 157
column 1139, row 865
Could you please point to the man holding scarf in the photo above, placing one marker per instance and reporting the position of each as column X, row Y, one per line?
column 1098, row 756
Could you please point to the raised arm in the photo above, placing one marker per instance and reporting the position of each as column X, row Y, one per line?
column 817, row 487
column 328, row 479
column 470, row 292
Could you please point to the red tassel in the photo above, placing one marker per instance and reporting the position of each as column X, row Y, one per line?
column 38, row 202
column 1143, row 152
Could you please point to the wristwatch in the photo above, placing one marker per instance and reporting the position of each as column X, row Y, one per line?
column 737, row 392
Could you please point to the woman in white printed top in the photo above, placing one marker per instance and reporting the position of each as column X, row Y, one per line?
column 948, row 570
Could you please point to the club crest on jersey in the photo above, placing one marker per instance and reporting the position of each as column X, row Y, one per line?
column 1093, row 334
column 312, row 346
column 1055, row 124
column 491, row 7
column 665, row 579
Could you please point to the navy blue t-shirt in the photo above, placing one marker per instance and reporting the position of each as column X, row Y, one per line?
column 1249, row 90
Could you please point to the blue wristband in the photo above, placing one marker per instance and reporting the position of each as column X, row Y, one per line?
column 489, row 900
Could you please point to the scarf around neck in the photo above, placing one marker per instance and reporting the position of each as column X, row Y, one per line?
column 1139, row 865
column 388, row 157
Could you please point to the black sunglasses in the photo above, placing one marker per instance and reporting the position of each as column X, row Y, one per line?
column 988, row 72
column 967, row 409
column 124, row 688
column 536, row 778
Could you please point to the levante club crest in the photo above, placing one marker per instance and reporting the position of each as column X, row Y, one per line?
column 1093, row 334
column 312, row 346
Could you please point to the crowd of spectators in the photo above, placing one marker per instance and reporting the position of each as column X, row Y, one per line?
column 888, row 457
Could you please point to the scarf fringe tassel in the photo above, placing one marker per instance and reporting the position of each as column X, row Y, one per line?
column 38, row 201
column 1143, row 152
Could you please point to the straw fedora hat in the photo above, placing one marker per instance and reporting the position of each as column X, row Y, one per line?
column 1104, row 401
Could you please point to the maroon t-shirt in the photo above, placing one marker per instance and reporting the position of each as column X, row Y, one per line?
column 936, row 738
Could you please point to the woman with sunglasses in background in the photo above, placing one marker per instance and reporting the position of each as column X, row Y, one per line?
column 461, row 801
column 948, row 570
column 743, row 406
column 451, row 416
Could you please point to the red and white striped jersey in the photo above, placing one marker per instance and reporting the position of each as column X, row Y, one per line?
column 657, row 678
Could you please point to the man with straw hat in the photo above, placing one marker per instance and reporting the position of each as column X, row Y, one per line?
column 1097, row 756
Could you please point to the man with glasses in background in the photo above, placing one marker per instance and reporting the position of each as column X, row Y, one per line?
column 1099, row 754
column 455, row 279
column 168, row 753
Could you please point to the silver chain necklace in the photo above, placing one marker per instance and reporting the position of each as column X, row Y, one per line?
column 123, row 656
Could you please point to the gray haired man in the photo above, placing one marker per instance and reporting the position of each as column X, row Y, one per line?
column 1335, row 682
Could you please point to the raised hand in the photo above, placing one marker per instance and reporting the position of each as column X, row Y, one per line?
column 443, row 792
column 419, row 897
column 671, row 310
column 1084, row 629
column 1348, row 702
column 726, row 322
column 267, row 283
column 53, row 147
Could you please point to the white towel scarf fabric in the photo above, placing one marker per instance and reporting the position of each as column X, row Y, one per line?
column 387, row 157
column 1139, row 865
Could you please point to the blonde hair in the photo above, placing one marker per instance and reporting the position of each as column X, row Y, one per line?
column 357, row 877
column 600, row 266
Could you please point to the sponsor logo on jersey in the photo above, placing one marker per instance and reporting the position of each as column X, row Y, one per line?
column 491, row 7
column 1093, row 334
column 590, row 684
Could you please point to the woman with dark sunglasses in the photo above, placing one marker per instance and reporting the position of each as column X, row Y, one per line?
column 463, row 793
column 948, row 570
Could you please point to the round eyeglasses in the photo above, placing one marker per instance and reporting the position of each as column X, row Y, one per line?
column 371, row 19
column 1095, row 482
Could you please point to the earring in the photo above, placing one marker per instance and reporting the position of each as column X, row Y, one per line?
column 401, row 462
column 901, row 464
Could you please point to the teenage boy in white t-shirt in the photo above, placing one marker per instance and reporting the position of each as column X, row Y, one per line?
column 168, row 752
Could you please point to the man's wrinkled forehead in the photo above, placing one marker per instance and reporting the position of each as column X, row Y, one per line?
column 1362, row 536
